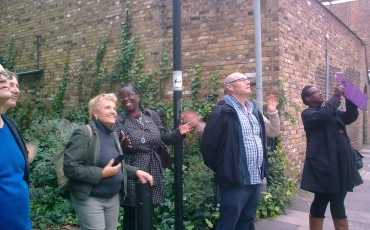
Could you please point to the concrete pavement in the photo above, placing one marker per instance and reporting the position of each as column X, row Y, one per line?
column 357, row 205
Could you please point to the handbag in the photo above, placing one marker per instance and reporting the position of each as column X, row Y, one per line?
column 62, row 180
column 166, row 158
column 357, row 158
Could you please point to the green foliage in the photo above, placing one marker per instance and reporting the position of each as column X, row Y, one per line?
column 50, row 209
column 196, row 81
column 284, row 103
column 125, row 59
column 199, row 210
column 59, row 95
column 48, row 206
column 280, row 188
column 9, row 58
column 203, row 102
column 30, row 110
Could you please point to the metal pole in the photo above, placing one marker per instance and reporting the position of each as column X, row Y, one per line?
column 144, row 207
column 38, row 43
column 327, row 88
column 177, row 104
column 258, row 50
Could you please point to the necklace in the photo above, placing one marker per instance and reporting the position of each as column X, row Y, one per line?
column 142, row 122
column 140, row 119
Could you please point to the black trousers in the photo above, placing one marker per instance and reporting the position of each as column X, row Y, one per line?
column 128, row 222
column 321, row 200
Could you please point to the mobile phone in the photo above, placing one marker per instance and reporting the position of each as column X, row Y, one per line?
column 118, row 160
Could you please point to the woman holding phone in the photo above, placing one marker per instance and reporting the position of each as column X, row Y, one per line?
column 329, row 171
column 95, row 178
column 142, row 133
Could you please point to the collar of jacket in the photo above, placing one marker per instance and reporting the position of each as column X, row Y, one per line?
column 229, row 108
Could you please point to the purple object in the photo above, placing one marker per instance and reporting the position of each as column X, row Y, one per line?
column 351, row 92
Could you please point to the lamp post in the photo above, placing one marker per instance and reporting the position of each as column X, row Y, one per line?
column 177, row 104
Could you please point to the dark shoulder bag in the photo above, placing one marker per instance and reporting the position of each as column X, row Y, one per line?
column 356, row 155
column 162, row 151
column 164, row 155
column 357, row 158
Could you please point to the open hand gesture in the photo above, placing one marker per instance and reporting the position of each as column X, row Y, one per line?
column 271, row 103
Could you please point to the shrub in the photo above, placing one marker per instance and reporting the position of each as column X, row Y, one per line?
column 199, row 208
column 48, row 206
column 280, row 188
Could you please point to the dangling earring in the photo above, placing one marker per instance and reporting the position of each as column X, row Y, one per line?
column 96, row 118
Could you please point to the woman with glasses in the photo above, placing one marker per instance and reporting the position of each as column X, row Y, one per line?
column 142, row 133
column 95, row 177
column 14, row 174
column 329, row 171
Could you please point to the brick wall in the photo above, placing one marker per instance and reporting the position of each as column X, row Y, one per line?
column 355, row 15
column 304, row 26
column 219, row 34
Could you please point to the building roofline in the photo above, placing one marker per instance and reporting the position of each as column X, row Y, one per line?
column 322, row 5
column 332, row 2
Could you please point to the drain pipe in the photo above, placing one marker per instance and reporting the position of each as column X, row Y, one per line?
column 258, row 51
column 327, row 88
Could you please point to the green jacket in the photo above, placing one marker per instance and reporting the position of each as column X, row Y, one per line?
column 80, row 160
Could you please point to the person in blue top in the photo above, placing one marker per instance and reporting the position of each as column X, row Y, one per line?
column 233, row 146
column 14, row 191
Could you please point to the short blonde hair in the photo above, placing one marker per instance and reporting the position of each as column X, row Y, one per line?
column 94, row 103
column 11, row 74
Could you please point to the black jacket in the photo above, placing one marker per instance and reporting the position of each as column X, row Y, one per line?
column 222, row 145
column 329, row 167
column 21, row 144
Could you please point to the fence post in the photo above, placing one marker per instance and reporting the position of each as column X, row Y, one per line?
column 144, row 206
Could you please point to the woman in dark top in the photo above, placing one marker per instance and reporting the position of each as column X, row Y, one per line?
column 329, row 171
column 95, row 182
column 141, row 132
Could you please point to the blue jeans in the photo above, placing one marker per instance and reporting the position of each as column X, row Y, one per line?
column 97, row 213
column 238, row 206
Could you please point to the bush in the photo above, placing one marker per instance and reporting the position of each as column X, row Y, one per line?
column 199, row 208
column 50, row 209
column 48, row 206
column 280, row 188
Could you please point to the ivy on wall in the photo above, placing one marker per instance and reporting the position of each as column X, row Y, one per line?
column 44, row 122
column 9, row 58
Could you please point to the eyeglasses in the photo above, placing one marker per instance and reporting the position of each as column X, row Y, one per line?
column 128, row 96
column 5, row 74
column 240, row 79
column 316, row 91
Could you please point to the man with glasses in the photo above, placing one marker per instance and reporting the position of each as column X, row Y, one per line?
column 4, row 85
column 14, row 194
column 234, row 147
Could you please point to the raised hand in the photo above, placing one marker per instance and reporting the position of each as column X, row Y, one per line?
column 339, row 90
column 271, row 103
column 184, row 129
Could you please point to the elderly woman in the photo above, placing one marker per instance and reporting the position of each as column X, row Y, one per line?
column 95, row 181
column 11, row 103
column 14, row 192
column 329, row 171
column 142, row 133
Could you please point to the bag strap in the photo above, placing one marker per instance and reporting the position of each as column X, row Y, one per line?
column 90, row 130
